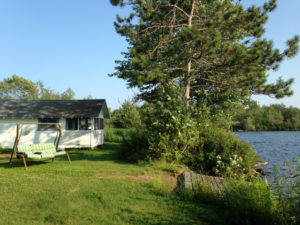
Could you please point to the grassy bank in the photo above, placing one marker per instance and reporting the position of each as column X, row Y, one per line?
column 96, row 189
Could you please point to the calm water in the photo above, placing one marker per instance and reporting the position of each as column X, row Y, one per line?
column 275, row 147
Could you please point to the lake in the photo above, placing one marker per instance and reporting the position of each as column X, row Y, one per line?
column 275, row 147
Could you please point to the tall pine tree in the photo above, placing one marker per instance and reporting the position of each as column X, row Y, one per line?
column 213, row 48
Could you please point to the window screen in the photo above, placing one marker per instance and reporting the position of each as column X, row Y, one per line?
column 85, row 124
column 98, row 124
column 48, row 126
column 72, row 123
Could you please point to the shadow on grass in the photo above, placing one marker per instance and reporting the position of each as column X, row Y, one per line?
column 4, row 163
column 186, row 210
column 107, row 152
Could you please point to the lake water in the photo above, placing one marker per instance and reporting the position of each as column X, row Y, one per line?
column 275, row 147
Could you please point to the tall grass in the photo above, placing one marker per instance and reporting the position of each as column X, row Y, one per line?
column 117, row 134
column 240, row 202
column 244, row 202
column 287, row 192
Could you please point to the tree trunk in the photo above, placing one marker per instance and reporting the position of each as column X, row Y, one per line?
column 188, row 83
column 189, row 61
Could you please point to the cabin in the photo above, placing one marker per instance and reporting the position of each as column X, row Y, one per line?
column 82, row 122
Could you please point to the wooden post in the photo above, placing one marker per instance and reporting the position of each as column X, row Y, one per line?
column 14, row 150
column 24, row 160
column 68, row 157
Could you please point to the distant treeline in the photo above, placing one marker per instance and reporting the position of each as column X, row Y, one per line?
column 263, row 118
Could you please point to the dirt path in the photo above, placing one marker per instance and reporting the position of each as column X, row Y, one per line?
column 167, row 179
column 127, row 177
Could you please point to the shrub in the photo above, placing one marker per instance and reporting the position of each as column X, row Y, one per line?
column 135, row 146
column 117, row 134
column 127, row 116
column 220, row 153
column 192, row 135
column 5, row 150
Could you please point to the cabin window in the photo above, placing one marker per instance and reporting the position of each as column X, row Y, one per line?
column 85, row 124
column 98, row 124
column 48, row 126
column 72, row 123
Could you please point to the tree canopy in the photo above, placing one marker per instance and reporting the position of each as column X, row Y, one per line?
column 273, row 117
column 127, row 116
column 214, row 49
column 20, row 88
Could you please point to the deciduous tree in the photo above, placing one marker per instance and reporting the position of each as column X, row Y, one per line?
column 20, row 88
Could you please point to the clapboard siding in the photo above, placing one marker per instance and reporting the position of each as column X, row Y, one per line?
column 31, row 135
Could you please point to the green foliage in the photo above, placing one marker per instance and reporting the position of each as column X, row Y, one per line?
column 170, row 126
column 273, row 117
column 20, row 88
column 241, row 202
column 127, row 116
column 249, row 203
column 176, row 133
column 221, row 153
column 194, row 63
column 287, row 191
column 117, row 134
column 135, row 146
column 254, row 202
column 213, row 49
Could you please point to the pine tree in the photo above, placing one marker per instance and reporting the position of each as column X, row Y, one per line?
column 212, row 48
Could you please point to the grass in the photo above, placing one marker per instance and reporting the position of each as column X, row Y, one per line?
column 95, row 189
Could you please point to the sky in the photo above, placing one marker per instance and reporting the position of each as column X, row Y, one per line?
column 73, row 44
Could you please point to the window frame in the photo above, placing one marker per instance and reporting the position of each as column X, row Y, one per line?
column 47, row 127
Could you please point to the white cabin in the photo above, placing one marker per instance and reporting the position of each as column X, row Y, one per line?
column 82, row 122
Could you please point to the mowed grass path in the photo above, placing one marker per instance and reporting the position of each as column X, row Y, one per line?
column 91, row 191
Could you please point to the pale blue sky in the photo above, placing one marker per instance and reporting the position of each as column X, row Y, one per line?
column 72, row 43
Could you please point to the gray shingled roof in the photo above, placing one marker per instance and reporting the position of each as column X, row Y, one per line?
column 53, row 108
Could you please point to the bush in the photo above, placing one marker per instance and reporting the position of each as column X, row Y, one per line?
column 5, row 150
column 117, row 134
column 135, row 146
column 127, row 116
column 192, row 135
column 220, row 153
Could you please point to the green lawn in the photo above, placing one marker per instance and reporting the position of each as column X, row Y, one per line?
column 95, row 189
